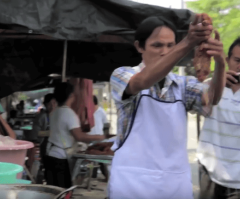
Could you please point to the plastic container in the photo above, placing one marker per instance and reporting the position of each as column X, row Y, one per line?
column 8, row 172
column 19, row 181
column 15, row 154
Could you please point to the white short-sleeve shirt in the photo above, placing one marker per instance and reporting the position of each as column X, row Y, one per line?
column 219, row 141
column 62, row 121
column 100, row 118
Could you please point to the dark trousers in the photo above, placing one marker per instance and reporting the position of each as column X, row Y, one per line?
column 211, row 190
column 57, row 172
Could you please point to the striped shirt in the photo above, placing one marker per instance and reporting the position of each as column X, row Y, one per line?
column 219, row 142
column 190, row 87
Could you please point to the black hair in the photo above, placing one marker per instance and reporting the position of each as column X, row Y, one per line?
column 48, row 98
column 62, row 92
column 235, row 43
column 148, row 25
column 95, row 100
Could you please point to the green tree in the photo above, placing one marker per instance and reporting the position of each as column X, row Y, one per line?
column 225, row 15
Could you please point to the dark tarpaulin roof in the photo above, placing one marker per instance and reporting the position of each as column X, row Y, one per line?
column 85, row 19
column 26, row 63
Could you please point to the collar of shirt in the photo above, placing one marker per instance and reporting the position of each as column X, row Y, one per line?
column 169, row 80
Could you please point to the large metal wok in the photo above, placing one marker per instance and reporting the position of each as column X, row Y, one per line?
column 31, row 192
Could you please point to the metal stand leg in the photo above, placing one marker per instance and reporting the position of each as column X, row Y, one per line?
column 91, row 167
column 29, row 174
column 89, row 186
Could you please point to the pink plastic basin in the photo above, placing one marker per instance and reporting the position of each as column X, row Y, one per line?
column 15, row 154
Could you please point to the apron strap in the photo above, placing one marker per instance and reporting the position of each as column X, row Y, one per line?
column 178, row 97
column 47, row 151
column 52, row 144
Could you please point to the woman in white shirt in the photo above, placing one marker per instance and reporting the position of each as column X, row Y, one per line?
column 65, row 132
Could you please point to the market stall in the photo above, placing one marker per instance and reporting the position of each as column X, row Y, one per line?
column 87, row 42
column 98, row 34
column 95, row 154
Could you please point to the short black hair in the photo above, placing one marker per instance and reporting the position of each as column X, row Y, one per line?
column 95, row 100
column 235, row 43
column 62, row 92
column 148, row 25
column 48, row 98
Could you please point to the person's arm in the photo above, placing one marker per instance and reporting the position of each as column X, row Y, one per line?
column 217, row 84
column 83, row 137
column 213, row 95
column 8, row 128
column 201, row 96
column 73, row 124
column 156, row 70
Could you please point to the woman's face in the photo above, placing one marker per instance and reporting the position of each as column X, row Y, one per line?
column 160, row 42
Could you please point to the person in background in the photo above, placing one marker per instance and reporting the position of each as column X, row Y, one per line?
column 12, row 118
column 5, row 128
column 41, row 123
column 65, row 131
column 219, row 142
column 20, row 109
column 100, row 120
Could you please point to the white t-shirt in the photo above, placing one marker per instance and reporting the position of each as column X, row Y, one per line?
column 219, row 142
column 100, row 118
column 62, row 121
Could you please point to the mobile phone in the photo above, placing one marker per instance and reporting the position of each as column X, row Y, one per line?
column 237, row 77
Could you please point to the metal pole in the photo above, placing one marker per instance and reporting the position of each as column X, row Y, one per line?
column 64, row 62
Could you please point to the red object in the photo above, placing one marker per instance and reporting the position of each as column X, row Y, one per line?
column 202, row 61
column 83, row 104
column 68, row 195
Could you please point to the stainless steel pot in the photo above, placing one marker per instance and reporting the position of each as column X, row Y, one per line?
column 29, row 192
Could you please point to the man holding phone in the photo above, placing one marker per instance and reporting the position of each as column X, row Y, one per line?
column 219, row 142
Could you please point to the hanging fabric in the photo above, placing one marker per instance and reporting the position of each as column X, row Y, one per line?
column 83, row 104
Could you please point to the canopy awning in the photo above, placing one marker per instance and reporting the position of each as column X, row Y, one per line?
column 99, row 33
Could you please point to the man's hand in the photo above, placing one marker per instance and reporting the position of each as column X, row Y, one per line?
column 230, row 79
column 214, row 48
column 199, row 31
